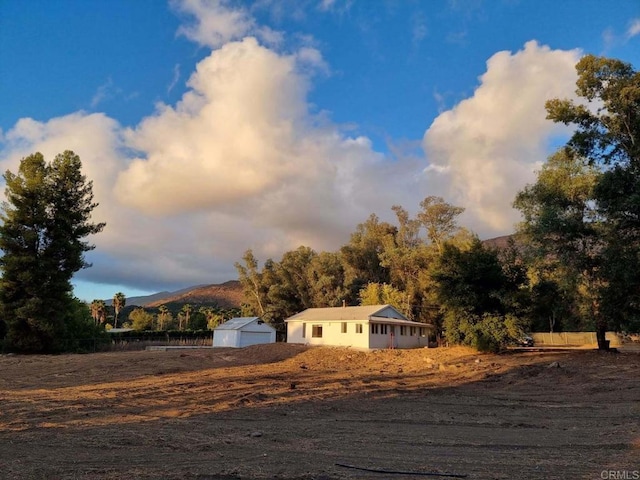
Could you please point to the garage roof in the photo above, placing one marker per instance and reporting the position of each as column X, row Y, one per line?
column 236, row 323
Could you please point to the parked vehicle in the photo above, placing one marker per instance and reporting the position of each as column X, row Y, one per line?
column 525, row 341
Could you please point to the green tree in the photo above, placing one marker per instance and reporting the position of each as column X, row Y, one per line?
column 607, row 134
column 141, row 319
column 119, row 302
column 95, row 311
column 382, row 294
column 440, row 220
column 255, row 291
column 476, row 297
column 565, row 231
column 185, row 316
column 327, row 280
column 361, row 256
column 45, row 220
column 164, row 317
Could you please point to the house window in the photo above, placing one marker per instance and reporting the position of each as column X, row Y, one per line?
column 358, row 328
column 344, row 327
column 304, row 330
column 316, row 331
column 374, row 328
column 412, row 331
column 403, row 329
column 383, row 329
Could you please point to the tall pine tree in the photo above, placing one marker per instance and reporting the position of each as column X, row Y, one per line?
column 45, row 219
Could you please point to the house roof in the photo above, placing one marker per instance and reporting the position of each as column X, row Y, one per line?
column 340, row 313
column 236, row 323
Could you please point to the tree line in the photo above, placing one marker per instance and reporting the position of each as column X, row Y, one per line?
column 171, row 316
column 574, row 263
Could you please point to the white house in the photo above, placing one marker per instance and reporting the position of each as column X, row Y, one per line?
column 366, row 327
column 242, row 332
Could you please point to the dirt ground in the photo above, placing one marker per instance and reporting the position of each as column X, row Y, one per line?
column 295, row 413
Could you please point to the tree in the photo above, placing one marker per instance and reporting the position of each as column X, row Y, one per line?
column 186, row 312
column 164, row 317
column 607, row 135
column 476, row 294
column 95, row 311
column 327, row 279
column 119, row 301
column 255, row 292
column 141, row 319
column 45, row 220
column 563, row 227
column 382, row 294
column 440, row 220
column 361, row 256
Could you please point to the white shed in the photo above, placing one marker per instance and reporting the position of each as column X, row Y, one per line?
column 243, row 331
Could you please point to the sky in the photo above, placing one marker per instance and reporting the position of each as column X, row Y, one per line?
column 210, row 127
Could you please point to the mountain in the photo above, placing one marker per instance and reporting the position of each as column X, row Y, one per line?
column 224, row 295
column 499, row 243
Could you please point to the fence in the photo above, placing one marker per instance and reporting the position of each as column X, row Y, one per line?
column 574, row 339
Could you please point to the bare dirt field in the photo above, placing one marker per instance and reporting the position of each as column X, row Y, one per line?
column 294, row 413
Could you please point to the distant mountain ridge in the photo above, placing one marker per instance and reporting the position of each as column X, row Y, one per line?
column 225, row 295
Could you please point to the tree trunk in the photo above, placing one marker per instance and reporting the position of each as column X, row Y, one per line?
column 601, row 330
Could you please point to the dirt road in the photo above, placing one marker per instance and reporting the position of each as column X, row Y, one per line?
column 287, row 412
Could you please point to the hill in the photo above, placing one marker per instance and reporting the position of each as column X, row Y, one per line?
column 224, row 295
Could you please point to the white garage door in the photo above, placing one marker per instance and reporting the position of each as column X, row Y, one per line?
column 254, row 338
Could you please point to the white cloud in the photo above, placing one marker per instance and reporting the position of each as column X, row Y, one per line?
column 634, row 28
column 176, row 77
column 104, row 92
column 238, row 163
column 241, row 162
column 214, row 23
column 492, row 142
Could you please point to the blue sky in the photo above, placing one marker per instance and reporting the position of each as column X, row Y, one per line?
column 211, row 127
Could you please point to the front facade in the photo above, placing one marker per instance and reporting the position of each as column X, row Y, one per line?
column 242, row 332
column 364, row 327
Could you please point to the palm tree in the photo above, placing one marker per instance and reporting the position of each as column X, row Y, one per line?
column 101, row 311
column 119, row 301
column 95, row 311
column 186, row 310
column 163, row 312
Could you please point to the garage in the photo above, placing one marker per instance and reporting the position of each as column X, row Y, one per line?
column 242, row 332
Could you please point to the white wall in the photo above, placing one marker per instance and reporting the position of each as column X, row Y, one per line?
column 225, row 338
column 331, row 334
column 383, row 340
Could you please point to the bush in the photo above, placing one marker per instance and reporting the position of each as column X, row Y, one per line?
column 486, row 333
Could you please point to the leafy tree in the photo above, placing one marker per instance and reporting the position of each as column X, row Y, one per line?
column 141, row 319
column 440, row 220
column 476, row 296
column 382, row 294
column 119, row 301
column 255, row 291
column 361, row 256
column 608, row 136
column 45, row 220
column 327, row 278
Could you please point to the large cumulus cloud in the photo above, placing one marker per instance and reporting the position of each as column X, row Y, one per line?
column 486, row 148
column 243, row 161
